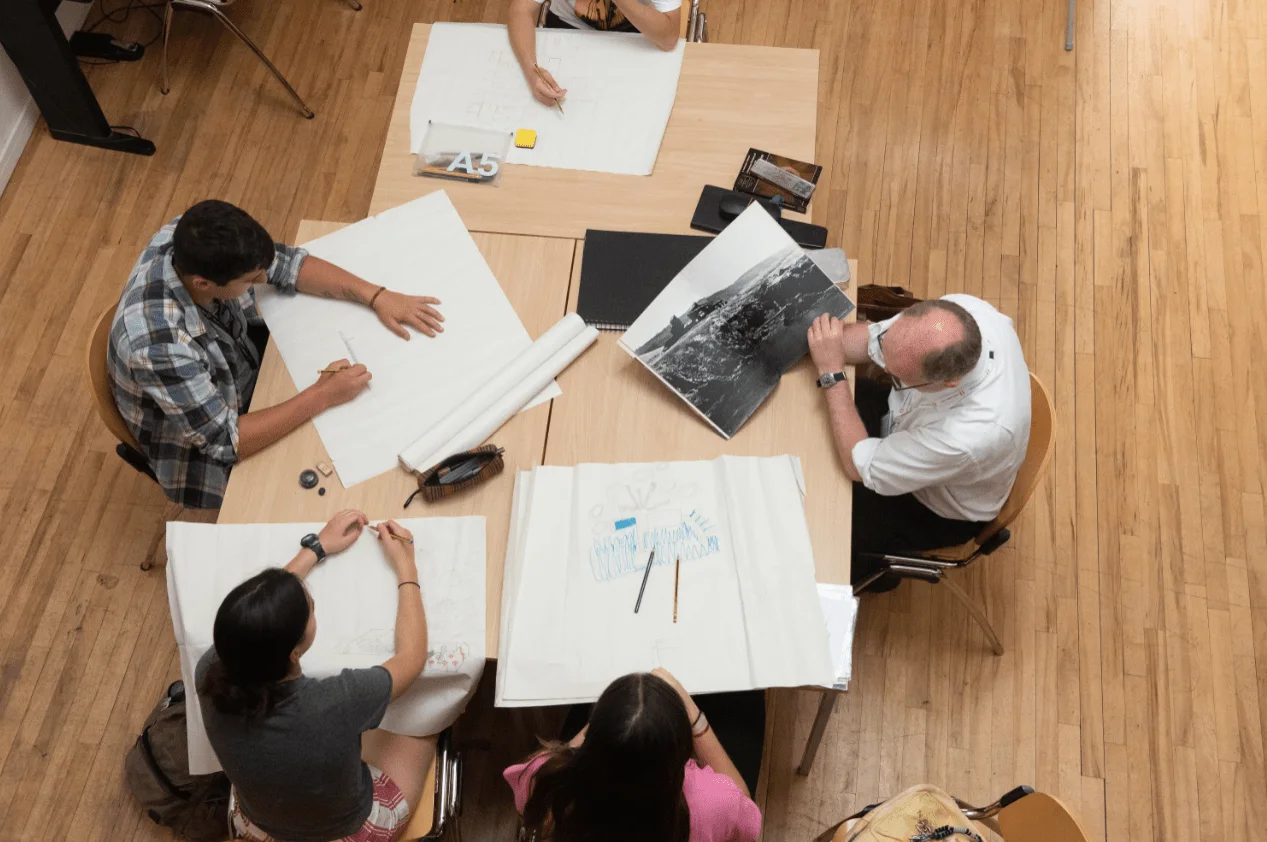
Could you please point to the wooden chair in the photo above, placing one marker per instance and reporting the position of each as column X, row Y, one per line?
column 932, row 566
column 215, row 9
column 431, row 820
column 1022, row 815
column 128, row 448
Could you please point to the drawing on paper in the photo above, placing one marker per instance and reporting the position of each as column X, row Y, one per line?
column 652, row 511
column 448, row 656
column 372, row 642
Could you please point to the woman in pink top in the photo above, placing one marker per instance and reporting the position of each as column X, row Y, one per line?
column 646, row 768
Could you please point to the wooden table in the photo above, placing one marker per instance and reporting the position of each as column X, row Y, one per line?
column 729, row 98
column 534, row 272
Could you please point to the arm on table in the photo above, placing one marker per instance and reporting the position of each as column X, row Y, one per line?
column 521, row 21
column 260, row 428
column 411, row 619
column 660, row 28
column 394, row 309
column 833, row 345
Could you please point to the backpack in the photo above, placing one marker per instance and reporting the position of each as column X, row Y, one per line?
column 922, row 813
column 157, row 770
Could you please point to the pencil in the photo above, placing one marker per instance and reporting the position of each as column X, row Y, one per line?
column 329, row 371
column 650, row 561
column 542, row 74
column 677, row 574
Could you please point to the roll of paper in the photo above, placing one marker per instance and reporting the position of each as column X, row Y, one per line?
column 501, row 397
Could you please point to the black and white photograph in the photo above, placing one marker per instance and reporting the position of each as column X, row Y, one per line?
column 734, row 320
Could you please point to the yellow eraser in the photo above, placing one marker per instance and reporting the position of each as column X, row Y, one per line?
column 525, row 138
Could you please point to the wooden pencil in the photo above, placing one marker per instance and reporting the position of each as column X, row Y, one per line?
column 677, row 574
column 542, row 74
column 650, row 561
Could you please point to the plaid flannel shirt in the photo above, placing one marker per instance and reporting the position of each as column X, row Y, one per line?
column 182, row 374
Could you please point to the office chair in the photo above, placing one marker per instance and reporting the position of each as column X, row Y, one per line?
column 445, row 779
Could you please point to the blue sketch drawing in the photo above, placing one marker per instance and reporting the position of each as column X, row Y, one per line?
column 643, row 515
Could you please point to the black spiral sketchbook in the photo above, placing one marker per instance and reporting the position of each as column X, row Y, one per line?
column 622, row 272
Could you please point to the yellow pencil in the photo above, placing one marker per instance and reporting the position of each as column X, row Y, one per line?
column 542, row 74
column 677, row 573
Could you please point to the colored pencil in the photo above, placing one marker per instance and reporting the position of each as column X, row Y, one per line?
column 645, row 576
column 677, row 574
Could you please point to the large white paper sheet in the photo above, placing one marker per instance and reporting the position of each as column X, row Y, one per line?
column 748, row 611
column 620, row 92
column 420, row 248
column 355, row 598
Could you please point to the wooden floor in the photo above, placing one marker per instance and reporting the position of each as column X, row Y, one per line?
column 1113, row 200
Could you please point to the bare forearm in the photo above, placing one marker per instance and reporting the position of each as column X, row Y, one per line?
column 411, row 639
column 302, row 564
column 856, row 339
column 846, row 426
column 320, row 277
column 660, row 28
column 522, row 23
column 260, row 428
column 710, row 752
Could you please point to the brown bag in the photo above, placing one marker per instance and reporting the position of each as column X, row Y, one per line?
column 922, row 813
column 877, row 303
column 157, row 771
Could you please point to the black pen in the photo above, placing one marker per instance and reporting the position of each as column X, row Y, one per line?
column 650, row 561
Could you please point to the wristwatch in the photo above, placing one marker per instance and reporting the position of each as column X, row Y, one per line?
column 312, row 542
column 826, row 381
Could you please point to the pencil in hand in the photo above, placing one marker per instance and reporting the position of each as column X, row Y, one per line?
column 677, row 574
column 542, row 74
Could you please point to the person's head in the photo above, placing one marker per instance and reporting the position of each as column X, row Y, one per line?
column 262, row 629
column 624, row 782
column 931, row 346
column 219, row 251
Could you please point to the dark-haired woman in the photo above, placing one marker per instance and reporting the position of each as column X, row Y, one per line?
column 302, row 753
column 646, row 767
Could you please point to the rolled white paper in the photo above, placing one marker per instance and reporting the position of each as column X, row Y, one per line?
column 497, row 401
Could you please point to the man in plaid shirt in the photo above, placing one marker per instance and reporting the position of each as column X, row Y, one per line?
column 187, row 340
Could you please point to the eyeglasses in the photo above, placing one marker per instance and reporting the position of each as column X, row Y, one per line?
column 897, row 383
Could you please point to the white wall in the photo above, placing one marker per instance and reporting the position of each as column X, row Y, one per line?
column 17, row 110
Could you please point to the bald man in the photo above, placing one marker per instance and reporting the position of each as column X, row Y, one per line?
column 934, row 448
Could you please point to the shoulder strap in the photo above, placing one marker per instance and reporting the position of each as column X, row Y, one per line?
column 147, row 750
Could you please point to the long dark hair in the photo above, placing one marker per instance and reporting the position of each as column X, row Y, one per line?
column 258, row 625
column 624, row 782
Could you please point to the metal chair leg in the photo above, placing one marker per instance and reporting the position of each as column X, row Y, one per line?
column 1069, row 25
column 355, row 4
column 826, row 704
column 977, row 612
column 211, row 8
column 168, row 14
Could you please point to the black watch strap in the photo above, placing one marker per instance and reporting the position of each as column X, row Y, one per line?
column 312, row 542
column 826, row 381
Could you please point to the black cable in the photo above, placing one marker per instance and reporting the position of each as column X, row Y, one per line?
column 120, row 15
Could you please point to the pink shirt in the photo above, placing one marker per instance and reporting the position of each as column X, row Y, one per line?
column 719, row 811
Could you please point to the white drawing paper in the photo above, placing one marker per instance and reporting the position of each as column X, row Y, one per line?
column 620, row 92
column 840, row 609
column 420, row 248
column 724, row 331
column 494, row 403
column 355, row 598
column 748, row 614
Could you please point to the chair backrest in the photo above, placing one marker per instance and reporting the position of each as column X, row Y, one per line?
column 1042, row 437
column 1039, row 817
column 99, row 377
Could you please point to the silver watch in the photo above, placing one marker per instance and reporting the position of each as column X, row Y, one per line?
column 826, row 381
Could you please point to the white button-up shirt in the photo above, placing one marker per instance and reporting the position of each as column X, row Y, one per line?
column 957, row 450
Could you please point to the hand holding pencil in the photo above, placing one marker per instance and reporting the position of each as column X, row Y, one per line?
column 545, row 89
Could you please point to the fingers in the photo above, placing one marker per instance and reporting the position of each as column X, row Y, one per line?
column 396, row 327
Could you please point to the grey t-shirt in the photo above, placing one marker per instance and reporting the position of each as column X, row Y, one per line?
column 298, row 771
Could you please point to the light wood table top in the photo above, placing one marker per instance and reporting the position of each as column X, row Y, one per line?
column 729, row 98
column 534, row 272
column 614, row 410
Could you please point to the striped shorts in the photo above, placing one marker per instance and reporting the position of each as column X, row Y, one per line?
column 388, row 816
